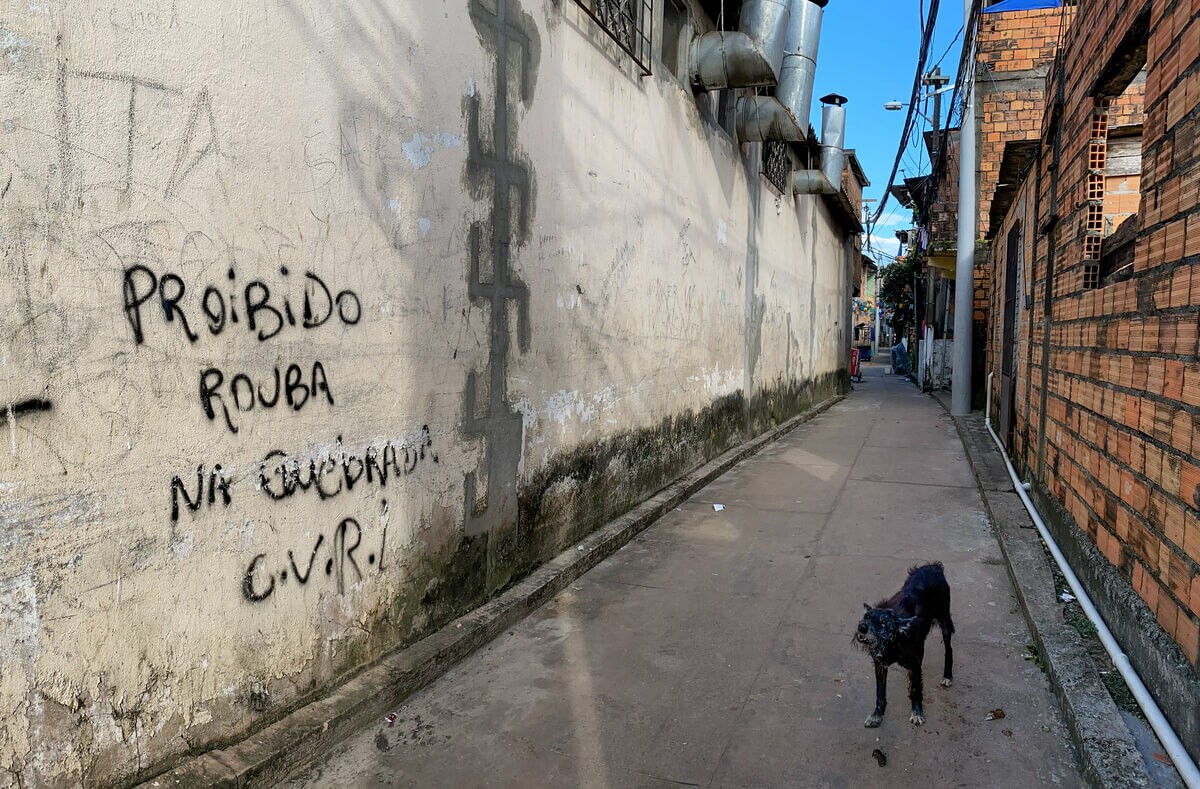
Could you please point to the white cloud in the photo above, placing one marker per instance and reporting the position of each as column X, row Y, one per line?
column 885, row 246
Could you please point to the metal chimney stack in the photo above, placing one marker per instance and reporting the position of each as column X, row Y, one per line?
column 833, row 137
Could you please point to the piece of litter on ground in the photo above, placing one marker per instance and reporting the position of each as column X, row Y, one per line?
column 995, row 715
column 391, row 719
column 880, row 757
column 1162, row 757
column 1007, row 732
column 718, row 507
column 1066, row 597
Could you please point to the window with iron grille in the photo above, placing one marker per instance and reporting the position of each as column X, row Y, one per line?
column 777, row 164
column 627, row 22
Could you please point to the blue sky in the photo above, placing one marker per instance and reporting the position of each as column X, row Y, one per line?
column 868, row 54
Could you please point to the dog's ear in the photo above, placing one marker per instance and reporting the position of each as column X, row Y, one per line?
column 906, row 624
column 866, row 606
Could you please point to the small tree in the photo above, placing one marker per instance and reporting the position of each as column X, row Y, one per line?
column 896, row 290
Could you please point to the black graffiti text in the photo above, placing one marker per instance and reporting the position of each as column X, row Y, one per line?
column 214, row 483
column 341, row 558
column 281, row 476
column 227, row 397
column 217, row 307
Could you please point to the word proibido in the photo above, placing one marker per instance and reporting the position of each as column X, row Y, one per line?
column 263, row 312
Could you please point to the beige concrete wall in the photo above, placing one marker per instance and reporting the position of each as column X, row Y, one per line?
column 166, row 166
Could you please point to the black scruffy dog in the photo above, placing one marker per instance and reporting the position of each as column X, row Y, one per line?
column 894, row 631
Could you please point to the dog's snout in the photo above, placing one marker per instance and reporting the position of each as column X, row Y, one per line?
column 862, row 627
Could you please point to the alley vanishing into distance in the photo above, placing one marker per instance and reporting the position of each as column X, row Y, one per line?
column 715, row 649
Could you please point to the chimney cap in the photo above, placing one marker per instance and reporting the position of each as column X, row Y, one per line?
column 834, row 99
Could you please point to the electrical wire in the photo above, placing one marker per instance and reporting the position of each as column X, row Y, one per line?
column 909, row 121
column 958, row 99
column 947, row 52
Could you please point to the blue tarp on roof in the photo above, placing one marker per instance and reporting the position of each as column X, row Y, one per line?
column 1021, row 5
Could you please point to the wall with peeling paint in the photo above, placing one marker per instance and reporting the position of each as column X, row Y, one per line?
column 320, row 323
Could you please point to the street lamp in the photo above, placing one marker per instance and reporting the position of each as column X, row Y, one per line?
column 939, row 82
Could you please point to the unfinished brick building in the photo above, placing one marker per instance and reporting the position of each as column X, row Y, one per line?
column 1089, row 178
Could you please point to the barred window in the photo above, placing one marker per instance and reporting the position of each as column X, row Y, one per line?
column 627, row 22
column 777, row 164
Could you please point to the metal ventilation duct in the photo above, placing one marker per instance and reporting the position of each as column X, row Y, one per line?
column 745, row 58
column 833, row 137
column 784, row 116
column 827, row 180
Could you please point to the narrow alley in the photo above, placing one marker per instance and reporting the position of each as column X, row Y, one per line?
column 715, row 649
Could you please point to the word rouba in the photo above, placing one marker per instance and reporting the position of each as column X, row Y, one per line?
column 253, row 305
column 281, row 476
column 289, row 387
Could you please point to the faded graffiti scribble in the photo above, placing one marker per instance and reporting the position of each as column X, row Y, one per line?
column 506, row 31
column 200, row 139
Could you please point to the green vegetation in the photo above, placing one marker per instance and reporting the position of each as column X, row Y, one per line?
column 896, row 291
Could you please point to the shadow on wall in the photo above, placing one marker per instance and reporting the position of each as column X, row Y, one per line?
column 381, row 161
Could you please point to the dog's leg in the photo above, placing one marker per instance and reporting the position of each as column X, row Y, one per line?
column 947, row 632
column 914, row 695
column 880, row 696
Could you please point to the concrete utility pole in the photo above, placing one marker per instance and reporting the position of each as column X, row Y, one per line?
column 875, row 301
column 878, row 280
column 964, row 278
column 937, row 81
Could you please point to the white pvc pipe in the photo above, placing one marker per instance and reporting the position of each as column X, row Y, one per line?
column 1162, row 727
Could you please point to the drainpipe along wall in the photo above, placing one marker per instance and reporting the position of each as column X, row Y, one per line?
column 1154, row 715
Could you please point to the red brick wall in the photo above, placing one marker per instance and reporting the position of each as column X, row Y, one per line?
column 943, row 214
column 1122, row 422
column 1008, row 43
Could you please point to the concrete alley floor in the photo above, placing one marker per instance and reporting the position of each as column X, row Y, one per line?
column 715, row 649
